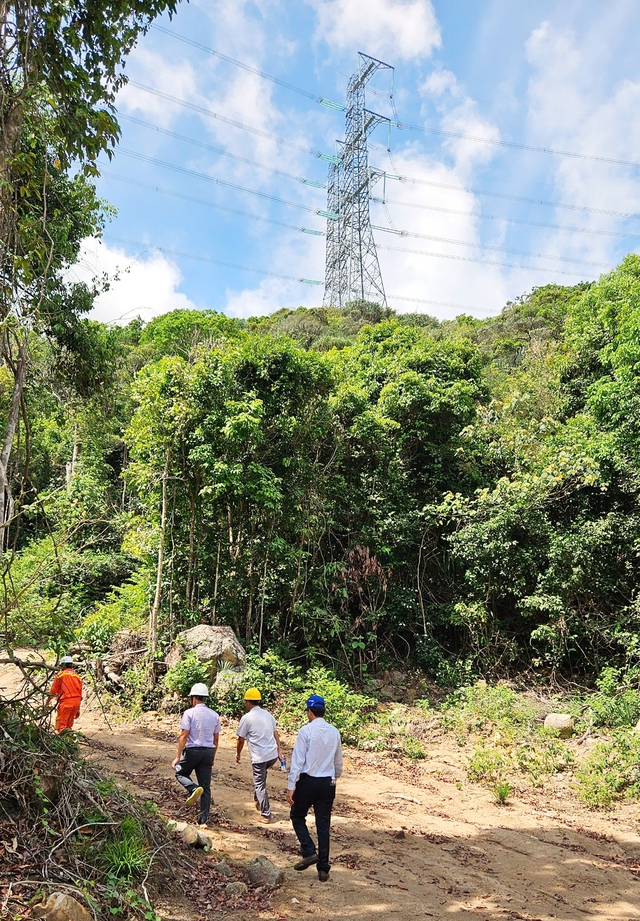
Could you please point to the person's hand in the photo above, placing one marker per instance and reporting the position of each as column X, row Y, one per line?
column 175, row 762
column 290, row 797
column 237, row 759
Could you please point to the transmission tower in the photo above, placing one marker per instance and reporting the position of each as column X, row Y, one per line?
column 352, row 270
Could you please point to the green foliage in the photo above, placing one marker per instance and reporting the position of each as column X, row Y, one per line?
column 187, row 672
column 487, row 764
column 126, row 855
column 615, row 704
column 502, row 792
column 611, row 771
column 125, row 608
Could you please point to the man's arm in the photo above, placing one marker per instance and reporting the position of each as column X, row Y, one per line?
column 276, row 736
column 298, row 758
column 337, row 759
column 182, row 741
column 216, row 736
column 239, row 747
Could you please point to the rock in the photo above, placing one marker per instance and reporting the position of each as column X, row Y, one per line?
column 223, row 868
column 236, row 889
column 210, row 644
column 192, row 836
column 396, row 677
column 411, row 695
column 561, row 722
column 636, row 728
column 389, row 692
column 399, row 835
column 61, row 907
column 263, row 872
column 377, row 683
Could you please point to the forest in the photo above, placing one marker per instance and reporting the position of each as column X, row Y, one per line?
column 352, row 488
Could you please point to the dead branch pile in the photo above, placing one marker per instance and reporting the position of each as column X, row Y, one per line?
column 58, row 817
column 128, row 649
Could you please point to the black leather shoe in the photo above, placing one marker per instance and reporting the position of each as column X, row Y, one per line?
column 323, row 875
column 306, row 862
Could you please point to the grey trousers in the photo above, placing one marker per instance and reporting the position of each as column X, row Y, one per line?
column 260, row 794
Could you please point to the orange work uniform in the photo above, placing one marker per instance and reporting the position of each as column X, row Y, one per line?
column 67, row 686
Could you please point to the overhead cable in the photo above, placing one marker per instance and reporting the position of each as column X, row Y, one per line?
column 209, row 113
column 506, row 220
column 508, row 265
column 245, row 268
column 211, row 204
column 225, row 153
column 250, row 69
column 529, row 201
column 230, row 265
column 223, row 182
column 498, row 249
column 513, row 145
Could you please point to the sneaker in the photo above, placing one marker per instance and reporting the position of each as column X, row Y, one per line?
column 267, row 819
column 195, row 796
column 323, row 875
column 306, row 862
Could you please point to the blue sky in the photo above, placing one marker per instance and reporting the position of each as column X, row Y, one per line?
column 564, row 76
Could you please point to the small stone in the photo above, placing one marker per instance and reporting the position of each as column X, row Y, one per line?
column 295, row 901
column 396, row 677
column 399, row 835
column 224, row 868
column 236, row 889
column 636, row 728
column 61, row 907
column 263, row 872
column 561, row 722
column 376, row 683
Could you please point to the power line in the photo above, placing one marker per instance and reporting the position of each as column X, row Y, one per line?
column 529, row 201
column 507, row 220
column 223, row 182
column 513, row 145
column 508, row 265
column 208, row 259
column 224, row 153
column 498, row 249
column 245, row 268
column 403, row 126
column 209, row 113
column 211, row 204
column 252, row 70
column 327, row 214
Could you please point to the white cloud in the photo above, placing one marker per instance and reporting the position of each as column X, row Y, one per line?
column 572, row 106
column 402, row 29
column 270, row 295
column 146, row 286
column 161, row 72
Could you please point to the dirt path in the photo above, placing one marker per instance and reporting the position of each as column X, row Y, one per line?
column 409, row 840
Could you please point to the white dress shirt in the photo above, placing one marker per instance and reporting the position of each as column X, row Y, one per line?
column 317, row 752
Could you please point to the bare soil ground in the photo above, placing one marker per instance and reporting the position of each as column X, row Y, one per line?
column 409, row 840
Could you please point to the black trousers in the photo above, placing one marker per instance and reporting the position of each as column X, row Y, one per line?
column 200, row 760
column 319, row 793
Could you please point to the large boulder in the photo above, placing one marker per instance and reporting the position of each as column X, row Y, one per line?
column 210, row 644
column 263, row 872
column 561, row 722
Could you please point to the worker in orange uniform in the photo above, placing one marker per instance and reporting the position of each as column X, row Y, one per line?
column 67, row 687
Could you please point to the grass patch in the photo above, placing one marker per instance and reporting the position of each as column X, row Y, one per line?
column 611, row 772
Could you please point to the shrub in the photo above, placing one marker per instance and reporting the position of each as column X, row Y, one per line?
column 615, row 704
column 483, row 708
column 187, row 672
column 611, row 771
column 125, row 607
column 487, row 764
column 502, row 792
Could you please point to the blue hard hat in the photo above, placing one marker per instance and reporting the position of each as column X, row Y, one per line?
column 315, row 701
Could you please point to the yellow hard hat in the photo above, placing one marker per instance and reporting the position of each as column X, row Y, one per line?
column 253, row 694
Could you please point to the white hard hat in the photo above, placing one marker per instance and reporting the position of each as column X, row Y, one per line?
column 199, row 690
column 66, row 660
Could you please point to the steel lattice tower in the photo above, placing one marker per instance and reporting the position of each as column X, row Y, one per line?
column 352, row 271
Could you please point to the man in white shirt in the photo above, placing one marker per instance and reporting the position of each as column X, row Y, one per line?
column 316, row 762
column 258, row 728
column 197, row 744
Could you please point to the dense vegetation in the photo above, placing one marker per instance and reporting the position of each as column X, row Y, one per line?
column 352, row 488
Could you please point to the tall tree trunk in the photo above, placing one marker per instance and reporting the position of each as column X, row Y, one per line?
column 12, row 422
column 155, row 610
